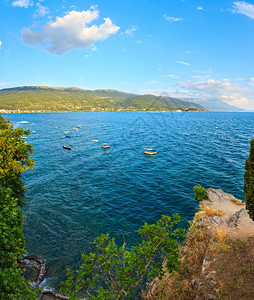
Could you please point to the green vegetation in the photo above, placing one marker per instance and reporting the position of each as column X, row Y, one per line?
column 200, row 193
column 249, row 181
column 115, row 273
column 14, row 159
column 49, row 99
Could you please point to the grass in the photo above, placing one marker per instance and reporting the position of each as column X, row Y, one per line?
column 209, row 212
column 228, row 272
column 237, row 201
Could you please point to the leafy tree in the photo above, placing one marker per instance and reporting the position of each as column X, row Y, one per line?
column 249, row 181
column 14, row 159
column 3, row 122
column 114, row 272
column 200, row 193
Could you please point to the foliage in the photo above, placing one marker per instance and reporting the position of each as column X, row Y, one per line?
column 14, row 159
column 3, row 122
column 114, row 272
column 200, row 193
column 249, row 181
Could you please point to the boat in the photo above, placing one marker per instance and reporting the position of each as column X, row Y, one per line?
column 55, row 127
column 79, row 126
column 67, row 136
column 67, row 147
column 105, row 146
column 149, row 151
column 74, row 128
column 34, row 131
column 66, row 131
column 94, row 141
column 24, row 137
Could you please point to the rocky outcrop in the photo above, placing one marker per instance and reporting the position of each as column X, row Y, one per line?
column 35, row 264
column 49, row 295
column 236, row 218
column 220, row 242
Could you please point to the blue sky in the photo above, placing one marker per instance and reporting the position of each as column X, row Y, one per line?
column 182, row 48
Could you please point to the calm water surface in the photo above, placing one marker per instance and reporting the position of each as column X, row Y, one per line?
column 76, row 195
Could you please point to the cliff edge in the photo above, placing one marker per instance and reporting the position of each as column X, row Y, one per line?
column 217, row 256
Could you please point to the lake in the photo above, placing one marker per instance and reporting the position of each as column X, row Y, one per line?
column 74, row 196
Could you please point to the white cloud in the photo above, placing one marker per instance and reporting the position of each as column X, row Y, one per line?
column 242, row 7
column 170, row 76
column 41, row 11
column 129, row 31
column 239, row 94
column 191, row 51
column 1, row 44
column 182, row 62
column 70, row 32
column 22, row 3
column 172, row 19
column 233, row 94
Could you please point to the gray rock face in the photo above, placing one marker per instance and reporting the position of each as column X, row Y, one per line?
column 235, row 219
column 218, row 195
column 35, row 264
column 213, row 221
column 49, row 295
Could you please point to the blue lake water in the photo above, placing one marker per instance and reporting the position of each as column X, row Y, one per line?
column 73, row 196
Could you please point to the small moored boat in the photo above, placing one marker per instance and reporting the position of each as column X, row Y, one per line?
column 24, row 137
column 74, row 128
column 67, row 136
column 66, row 131
column 67, row 147
column 105, row 146
column 149, row 151
column 79, row 126
column 55, row 127
column 94, row 141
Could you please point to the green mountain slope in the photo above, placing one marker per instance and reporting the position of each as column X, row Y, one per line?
column 50, row 99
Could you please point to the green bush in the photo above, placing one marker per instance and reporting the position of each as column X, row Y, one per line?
column 249, row 181
column 200, row 193
column 14, row 159
column 113, row 272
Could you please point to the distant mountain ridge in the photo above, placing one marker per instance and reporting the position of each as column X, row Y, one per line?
column 70, row 99
column 213, row 104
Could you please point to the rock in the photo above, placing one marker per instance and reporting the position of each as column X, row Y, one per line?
column 37, row 267
column 235, row 219
column 212, row 221
column 215, row 195
column 49, row 295
column 215, row 220
column 194, row 283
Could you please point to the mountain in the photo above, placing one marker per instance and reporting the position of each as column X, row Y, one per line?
column 60, row 99
column 214, row 104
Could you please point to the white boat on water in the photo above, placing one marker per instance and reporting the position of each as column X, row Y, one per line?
column 66, row 132
column 75, row 128
column 94, row 141
column 149, row 151
column 105, row 146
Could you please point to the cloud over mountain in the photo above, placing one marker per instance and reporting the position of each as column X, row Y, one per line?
column 70, row 32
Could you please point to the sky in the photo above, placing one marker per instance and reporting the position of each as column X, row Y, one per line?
column 178, row 48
